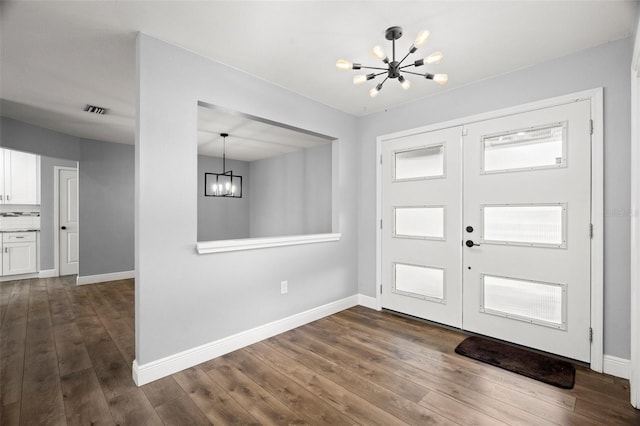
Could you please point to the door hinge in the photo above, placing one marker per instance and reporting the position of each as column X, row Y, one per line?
column 380, row 223
column 591, row 230
column 380, row 158
column 590, row 334
column 465, row 132
column 380, row 288
column 591, row 126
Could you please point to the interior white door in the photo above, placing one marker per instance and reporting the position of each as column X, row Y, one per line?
column 68, row 219
column 421, row 226
column 527, row 203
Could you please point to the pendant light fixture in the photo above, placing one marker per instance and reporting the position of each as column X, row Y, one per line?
column 224, row 184
column 394, row 68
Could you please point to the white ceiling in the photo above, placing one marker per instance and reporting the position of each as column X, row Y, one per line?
column 57, row 56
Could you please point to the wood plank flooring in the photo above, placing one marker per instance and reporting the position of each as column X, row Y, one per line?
column 66, row 354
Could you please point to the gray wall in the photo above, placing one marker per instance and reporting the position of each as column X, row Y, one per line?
column 47, row 228
column 183, row 299
column 604, row 66
column 106, row 192
column 25, row 137
column 223, row 218
column 106, row 207
column 291, row 194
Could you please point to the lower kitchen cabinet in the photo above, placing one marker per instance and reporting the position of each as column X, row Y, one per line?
column 19, row 253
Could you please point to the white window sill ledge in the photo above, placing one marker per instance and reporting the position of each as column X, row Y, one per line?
column 258, row 243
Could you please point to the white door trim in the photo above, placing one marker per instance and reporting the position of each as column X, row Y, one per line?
column 597, row 198
column 56, row 216
column 634, row 373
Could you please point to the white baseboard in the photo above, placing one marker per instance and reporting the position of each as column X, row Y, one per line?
column 19, row 277
column 114, row 276
column 146, row 373
column 48, row 273
column 368, row 301
column 615, row 366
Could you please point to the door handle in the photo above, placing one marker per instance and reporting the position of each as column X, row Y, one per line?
column 63, row 227
column 470, row 243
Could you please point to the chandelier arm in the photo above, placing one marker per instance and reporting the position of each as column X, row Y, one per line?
column 415, row 73
column 406, row 66
column 405, row 57
column 373, row 68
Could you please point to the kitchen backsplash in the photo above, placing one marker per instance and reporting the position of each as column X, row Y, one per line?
column 19, row 217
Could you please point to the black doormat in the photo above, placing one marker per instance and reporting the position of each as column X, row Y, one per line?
column 536, row 366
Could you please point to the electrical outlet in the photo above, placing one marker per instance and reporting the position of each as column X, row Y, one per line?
column 284, row 287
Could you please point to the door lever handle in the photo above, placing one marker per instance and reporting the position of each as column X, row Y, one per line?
column 63, row 227
column 470, row 243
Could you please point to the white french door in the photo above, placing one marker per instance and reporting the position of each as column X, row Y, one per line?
column 527, row 196
column 513, row 258
column 421, row 177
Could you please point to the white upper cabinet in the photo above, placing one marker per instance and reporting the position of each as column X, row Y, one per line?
column 20, row 178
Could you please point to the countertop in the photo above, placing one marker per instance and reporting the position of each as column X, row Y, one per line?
column 19, row 230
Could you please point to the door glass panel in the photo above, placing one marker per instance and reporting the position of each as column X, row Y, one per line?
column 530, row 225
column 419, row 222
column 542, row 147
column 421, row 163
column 419, row 281
column 524, row 300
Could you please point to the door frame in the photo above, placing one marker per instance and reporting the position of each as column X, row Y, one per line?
column 634, row 367
column 56, row 215
column 595, row 96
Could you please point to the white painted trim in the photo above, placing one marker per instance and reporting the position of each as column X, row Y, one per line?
column 378, row 283
column 635, row 56
column 19, row 277
column 148, row 372
column 517, row 109
column 634, row 370
column 597, row 220
column 595, row 96
column 368, row 302
column 48, row 273
column 615, row 366
column 101, row 278
column 56, row 215
column 259, row 243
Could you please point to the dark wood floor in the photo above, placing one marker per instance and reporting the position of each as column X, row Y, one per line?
column 66, row 355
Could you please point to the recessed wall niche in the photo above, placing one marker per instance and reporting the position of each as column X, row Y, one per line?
column 287, row 177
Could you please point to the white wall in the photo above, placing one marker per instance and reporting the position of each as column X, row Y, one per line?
column 182, row 299
column 604, row 66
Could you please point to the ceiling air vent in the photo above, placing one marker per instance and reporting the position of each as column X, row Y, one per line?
column 95, row 109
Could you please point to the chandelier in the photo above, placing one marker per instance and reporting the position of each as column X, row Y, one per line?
column 224, row 184
column 394, row 68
